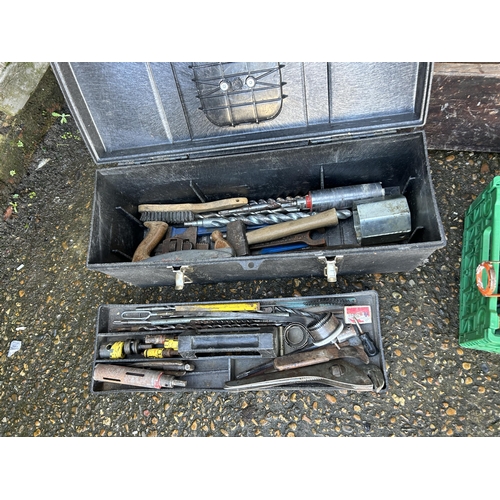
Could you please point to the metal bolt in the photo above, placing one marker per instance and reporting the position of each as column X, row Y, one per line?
column 250, row 82
column 337, row 370
column 224, row 85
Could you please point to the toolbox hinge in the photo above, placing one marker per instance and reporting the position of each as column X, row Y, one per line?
column 181, row 279
column 331, row 267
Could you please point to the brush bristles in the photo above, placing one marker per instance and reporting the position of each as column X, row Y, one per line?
column 168, row 217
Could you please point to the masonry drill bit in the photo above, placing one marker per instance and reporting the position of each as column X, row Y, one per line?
column 320, row 200
column 258, row 219
column 262, row 206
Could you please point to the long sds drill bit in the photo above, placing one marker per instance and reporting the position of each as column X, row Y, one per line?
column 258, row 219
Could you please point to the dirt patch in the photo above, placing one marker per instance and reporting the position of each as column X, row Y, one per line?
column 20, row 135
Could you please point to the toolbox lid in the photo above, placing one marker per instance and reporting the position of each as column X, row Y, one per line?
column 139, row 112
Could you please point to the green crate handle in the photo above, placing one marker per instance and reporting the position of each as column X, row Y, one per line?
column 491, row 284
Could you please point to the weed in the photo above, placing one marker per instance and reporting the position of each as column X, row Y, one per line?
column 13, row 204
column 69, row 135
column 20, row 144
column 62, row 116
column 12, row 173
column 32, row 195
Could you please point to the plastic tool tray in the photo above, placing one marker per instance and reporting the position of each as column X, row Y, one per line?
column 320, row 343
column 479, row 320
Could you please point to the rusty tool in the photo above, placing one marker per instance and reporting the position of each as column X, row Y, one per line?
column 138, row 377
column 177, row 240
column 156, row 232
column 338, row 373
column 319, row 355
column 307, row 358
column 236, row 236
column 219, row 241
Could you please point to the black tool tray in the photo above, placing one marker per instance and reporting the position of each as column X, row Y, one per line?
column 212, row 367
column 185, row 132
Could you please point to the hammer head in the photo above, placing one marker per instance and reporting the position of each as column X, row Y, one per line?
column 237, row 238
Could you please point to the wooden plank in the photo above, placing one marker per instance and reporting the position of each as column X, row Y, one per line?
column 464, row 108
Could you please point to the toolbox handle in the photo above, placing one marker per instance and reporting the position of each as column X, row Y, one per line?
column 491, row 283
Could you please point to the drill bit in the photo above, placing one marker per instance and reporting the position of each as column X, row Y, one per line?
column 258, row 219
column 263, row 206
column 318, row 201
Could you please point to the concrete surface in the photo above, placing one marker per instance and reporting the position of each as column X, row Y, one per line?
column 21, row 133
column 49, row 302
column 18, row 80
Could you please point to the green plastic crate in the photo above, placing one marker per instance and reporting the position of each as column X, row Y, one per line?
column 479, row 323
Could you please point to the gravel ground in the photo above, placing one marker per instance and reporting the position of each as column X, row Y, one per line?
column 49, row 302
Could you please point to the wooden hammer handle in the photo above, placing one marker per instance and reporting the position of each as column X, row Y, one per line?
column 157, row 231
column 276, row 231
column 211, row 206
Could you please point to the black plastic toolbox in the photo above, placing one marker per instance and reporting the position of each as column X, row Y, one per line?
column 191, row 132
column 337, row 124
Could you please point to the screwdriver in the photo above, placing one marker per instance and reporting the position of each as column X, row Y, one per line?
column 370, row 348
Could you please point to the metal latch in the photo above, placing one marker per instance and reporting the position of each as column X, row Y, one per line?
column 180, row 278
column 331, row 267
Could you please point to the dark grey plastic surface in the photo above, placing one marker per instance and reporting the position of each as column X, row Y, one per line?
column 140, row 112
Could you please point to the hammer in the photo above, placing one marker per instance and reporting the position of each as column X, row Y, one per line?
column 276, row 231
